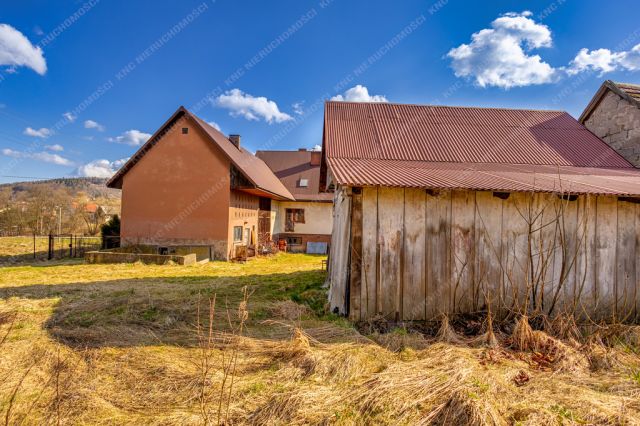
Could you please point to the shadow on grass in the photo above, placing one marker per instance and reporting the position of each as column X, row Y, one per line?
column 163, row 310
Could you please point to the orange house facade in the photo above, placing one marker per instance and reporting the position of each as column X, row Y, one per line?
column 191, row 189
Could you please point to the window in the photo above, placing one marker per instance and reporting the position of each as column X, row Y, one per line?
column 297, row 215
column 294, row 241
column 303, row 183
column 293, row 216
column 237, row 234
column 185, row 130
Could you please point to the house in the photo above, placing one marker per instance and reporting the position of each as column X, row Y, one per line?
column 308, row 219
column 614, row 116
column 190, row 188
column 454, row 210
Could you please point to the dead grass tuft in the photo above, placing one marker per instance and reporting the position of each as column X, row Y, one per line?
column 600, row 357
column 446, row 333
column 464, row 408
column 400, row 339
column 522, row 336
column 564, row 327
column 280, row 408
column 488, row 338
column 289, row 310
column 551, row 353
column 408, row 392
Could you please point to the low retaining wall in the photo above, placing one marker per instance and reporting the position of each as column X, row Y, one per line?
column 119, row 257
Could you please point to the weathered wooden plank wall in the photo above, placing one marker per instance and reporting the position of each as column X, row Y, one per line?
column 416, row 254
column 339, row 263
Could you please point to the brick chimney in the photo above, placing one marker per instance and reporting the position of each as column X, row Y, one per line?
column 235, row 139
column 316, row 156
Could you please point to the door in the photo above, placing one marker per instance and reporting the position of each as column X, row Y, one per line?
column 264, row 221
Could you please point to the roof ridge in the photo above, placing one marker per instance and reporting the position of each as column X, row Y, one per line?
column 449, row 106
column 485, row 163
column 621, row 83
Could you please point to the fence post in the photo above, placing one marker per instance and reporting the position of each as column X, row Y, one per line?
column 71, row 246
column 50, row 253
column 34, row 245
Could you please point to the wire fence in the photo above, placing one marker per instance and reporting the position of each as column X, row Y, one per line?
column 19, row 249
column 71, row 246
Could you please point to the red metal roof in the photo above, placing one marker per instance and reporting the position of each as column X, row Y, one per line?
column 254, row 169
column 470, row 148
column 293, row 166
column 486, row 177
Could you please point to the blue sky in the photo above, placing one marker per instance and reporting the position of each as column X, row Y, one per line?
column 262, row 69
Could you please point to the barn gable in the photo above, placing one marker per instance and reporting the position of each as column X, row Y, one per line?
column 614, row 115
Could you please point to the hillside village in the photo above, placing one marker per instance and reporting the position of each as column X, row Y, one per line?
column 77, row 206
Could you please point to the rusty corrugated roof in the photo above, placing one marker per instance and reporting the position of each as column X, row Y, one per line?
column 470, row 148
column 291, row 167
column 632, row 90
column 486, row 177
column 253, row 168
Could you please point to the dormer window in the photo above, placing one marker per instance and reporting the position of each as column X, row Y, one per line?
column 303, row 183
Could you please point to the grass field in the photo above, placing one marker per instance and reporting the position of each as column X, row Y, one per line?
column 131, row 344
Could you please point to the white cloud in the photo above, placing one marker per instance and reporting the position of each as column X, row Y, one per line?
column 316, row 148
column 298, row 108
column 70, row 117
column 55, row 147
column 39, row 133
column 500, row 55
column 251, row 107
column 11, row 153
column 90, row 124
column 214, row 125
column 604, row 61
column 17, row 51
column 100, row 168
column 46, row 157
column 131, row 137
column 359, row 93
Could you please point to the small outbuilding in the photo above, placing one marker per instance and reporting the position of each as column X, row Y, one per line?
column 448, row 210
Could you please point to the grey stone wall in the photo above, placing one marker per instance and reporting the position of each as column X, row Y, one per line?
column 617, row 122
column 118, row 257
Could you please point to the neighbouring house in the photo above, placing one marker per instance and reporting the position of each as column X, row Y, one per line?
column 454, row 210
column 614, row 116
column 191, row 189
column 308, row 219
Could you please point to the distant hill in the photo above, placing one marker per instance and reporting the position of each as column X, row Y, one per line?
column 92, row 187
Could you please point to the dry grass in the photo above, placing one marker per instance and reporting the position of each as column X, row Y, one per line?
column 119, row 344
column 20, row 249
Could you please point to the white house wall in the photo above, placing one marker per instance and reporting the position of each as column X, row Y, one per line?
column 317, row 216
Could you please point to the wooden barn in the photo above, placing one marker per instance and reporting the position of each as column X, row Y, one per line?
column 458, row 210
